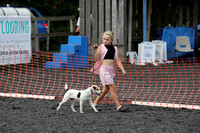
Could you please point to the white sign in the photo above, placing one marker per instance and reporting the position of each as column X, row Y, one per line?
column 15, row 40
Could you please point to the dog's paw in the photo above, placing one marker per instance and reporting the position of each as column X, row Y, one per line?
column 96, row 111
column 81, row 112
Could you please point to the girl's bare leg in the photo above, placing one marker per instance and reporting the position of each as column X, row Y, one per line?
column 104, row 92
column 114, row 95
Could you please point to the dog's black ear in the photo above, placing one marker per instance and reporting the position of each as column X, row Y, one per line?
column 94, row 87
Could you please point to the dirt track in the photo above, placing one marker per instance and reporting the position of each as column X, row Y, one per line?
column 40, row 116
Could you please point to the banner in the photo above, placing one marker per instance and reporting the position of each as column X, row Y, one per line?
column 15, row 40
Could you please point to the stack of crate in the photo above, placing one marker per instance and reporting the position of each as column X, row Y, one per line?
column 72, row 55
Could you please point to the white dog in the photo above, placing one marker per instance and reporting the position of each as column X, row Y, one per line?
column 80, row 95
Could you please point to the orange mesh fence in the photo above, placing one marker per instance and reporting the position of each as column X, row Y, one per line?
column 174, row 84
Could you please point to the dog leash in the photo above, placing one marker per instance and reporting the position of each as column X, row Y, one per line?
column 93, row 64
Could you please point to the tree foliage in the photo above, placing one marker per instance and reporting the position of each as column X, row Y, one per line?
column 48, row 7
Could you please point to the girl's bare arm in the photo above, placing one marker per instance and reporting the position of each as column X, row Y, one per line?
column 119, row 64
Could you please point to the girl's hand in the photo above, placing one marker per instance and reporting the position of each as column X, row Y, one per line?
column 124, row 72
column 95, row 45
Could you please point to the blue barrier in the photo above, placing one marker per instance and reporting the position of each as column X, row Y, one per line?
column 72, row 55
column 169, row 36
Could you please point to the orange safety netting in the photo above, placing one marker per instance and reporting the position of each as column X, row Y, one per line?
column 170, row 84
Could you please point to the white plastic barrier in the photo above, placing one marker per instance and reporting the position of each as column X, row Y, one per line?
column 146, row 53
column 161, row 51
column 132, row 57
column 152, row 52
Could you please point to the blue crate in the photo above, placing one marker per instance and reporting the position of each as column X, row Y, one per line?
column 77, row 65
column 77, row 58
column 82, row 41
column 55, row 65
column 59, row 57
column 70, row 49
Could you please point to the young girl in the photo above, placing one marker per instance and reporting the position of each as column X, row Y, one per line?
column 106, row 57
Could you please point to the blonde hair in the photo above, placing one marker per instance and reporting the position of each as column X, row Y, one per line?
column 110, row 34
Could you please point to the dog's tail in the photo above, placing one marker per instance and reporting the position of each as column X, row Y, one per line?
column 66, row 87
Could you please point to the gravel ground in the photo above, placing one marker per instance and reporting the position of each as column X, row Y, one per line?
column 40, row 116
